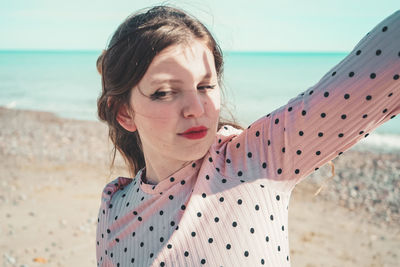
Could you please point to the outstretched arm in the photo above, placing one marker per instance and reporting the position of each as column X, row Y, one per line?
column 352, row 99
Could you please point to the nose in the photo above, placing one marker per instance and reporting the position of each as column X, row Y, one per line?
column 193, row 105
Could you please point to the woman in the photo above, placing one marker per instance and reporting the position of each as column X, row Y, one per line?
column 206, row 192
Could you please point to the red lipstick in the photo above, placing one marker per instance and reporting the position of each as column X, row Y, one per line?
column 195, row 132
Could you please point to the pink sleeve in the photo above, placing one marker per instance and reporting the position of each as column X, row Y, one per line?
column 103, row 221
column 352, row 99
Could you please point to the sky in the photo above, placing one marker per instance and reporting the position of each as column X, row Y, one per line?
column 248, row 25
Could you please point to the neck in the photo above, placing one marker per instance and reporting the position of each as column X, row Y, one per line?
column 155, row 173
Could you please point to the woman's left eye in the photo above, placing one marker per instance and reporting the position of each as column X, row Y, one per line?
column 205, row 87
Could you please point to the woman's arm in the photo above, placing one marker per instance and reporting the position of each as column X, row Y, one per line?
column 352, row 99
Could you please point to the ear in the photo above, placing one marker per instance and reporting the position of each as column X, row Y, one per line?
column 125, row 118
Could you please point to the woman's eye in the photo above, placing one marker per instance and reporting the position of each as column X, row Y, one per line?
column 206, row 87
column 160, row 95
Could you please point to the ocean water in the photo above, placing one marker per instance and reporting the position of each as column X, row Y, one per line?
column 67, row 82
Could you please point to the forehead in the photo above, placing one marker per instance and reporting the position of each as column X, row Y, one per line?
column 186, row 60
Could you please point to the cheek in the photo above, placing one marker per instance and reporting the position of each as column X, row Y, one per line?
column 215, row 102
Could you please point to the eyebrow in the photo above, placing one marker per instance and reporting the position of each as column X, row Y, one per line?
column 207, row 76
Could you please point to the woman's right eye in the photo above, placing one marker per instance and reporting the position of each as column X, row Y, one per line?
column 160, row 95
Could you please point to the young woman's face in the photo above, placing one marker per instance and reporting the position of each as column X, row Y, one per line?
column 176, row 104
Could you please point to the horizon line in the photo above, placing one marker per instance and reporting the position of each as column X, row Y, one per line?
column 225, row 51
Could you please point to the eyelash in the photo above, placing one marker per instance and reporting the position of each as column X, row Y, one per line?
column 162, row 94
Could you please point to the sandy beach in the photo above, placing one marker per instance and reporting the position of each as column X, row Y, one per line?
column 53, row 171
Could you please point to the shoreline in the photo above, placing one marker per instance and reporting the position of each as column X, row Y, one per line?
column 53, row 171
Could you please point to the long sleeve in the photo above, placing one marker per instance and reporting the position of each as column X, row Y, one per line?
column 352, row 99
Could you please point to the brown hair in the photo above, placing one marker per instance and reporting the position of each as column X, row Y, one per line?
column 123, row 64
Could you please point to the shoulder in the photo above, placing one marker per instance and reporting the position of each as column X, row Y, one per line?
column 113, row 186
column 225, row 134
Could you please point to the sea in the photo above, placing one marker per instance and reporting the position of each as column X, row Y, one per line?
column 255, row 83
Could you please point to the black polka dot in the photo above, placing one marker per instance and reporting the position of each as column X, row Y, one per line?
column 240, row 173
column 279, row 171
column 344, row 116
column 162, row 264
column 237, row 145
column 378, row 52
column 368, row 97
column 303, row 112
column 267, row 238
column 264, row 165
column 193, row 234
column 396, row 77
column 279, row 248
column 186, row 253
column 346, row 96
column 334, row 73
column 257, row 207
column 234, row 224
column 183, row 207
column 271, row 217
column 249, row 155
column 210, row 159
column 318, row 153
column 326, row 94
column 171, row 197
column 221, row 199
column 283, row 150
column 276, row 121
column 171, row 179
column 117, row 240
column 204, row 195
column 341, row 135
column 320, row 134
column 323, row 115
column 169, row 246
column 228, row 246
column 372, row 75
column 207, row 177
column 283, row 228
column 151, row 228
column 278, row 197
column 365, row 116
column 301, row 133
column 358, row 52
column 311, row 92
column 203, row 261
column 290, row 109
column 223, row 180
column 262, row 261
column 141, row 244
column 384, row 111
column 239, row 201
column 361, row 132
column 384, row 28
column 194, row 165
column 199, row 214
column 257, row 133
column 298, row 152
column 351, row 74
column 297, row 171
column 269, row 142
column 216, row 219
column 151, row 255
column 246, row 253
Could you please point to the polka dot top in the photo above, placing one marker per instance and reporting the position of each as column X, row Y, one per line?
column 230, row 208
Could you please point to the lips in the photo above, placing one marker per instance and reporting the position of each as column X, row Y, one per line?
column 195, row 132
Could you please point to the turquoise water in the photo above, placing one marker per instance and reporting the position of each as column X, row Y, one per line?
column 67, row 83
